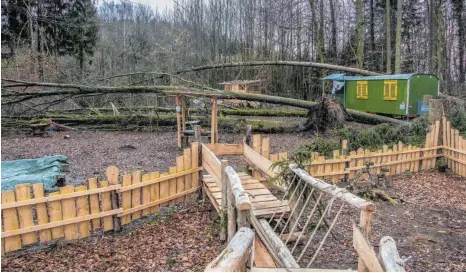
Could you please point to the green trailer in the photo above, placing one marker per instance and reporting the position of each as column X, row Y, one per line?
column 399, row 95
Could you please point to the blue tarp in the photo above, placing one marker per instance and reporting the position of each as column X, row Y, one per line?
column 39, row 170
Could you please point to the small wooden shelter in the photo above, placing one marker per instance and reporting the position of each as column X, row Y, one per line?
column 243, row 86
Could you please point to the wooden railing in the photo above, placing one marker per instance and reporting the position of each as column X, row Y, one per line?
column 72, row 212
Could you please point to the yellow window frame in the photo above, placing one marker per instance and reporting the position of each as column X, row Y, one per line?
column 362, row 90
column 388, row 87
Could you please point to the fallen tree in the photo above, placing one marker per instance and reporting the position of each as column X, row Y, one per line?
column 136, row 122
column 78, row 90
column 225, row 112
column 287, row 63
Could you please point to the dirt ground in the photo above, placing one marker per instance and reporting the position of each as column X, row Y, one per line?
column 90, row 153
column 428, row 223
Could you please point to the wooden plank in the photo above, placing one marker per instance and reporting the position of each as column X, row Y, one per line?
column 145, row 191
column 94, row 203
column 225, row 149
column 136, row 195
column 172, row 191
column 158, row 202
column 267, row 213
column 69, row 212
column 41, row 212
column 365, row 251
column 82, row 205
column 23, row 192
column 60, row 223
column 265, row 149
column 164, row 187
column 180, row 181
column 126, row 199
column 106, row 206
column 154, row 192
column 260, row 162
column 213, row 125
column 262, row 257
column 154, row 181
column 187, row 166
column 195, row 164
column 55, row 212
column 10, row 222
column 212, row 162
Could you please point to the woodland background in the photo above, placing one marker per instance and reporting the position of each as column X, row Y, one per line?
column 85, row 41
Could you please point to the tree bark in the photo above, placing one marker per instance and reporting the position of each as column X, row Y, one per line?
column 399, row 13
column 389, row 36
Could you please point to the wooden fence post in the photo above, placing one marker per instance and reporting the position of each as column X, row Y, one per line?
column 197, row 133
column 112, row 173
column 248, row 135
column 365, row 225
column 231, row 211
column 223, row 221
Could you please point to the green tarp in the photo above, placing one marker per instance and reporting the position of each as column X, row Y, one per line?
column 39, row 170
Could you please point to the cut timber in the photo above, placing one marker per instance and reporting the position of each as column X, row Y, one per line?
column 225, row 149
column 259, row 269
column 293, row 237
column 389, row 255
column 278, row 246
column 236, row 255
column 211, row 164
column 260, row 162
column 333, row 190
column 262, row 257
column 365, row 251
column 242, row 201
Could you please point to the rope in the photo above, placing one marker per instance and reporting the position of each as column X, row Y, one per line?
column 294, row 208
column 315, row 230
column 284, row 211
column 326, row 235
column 283, row 198
column 307, row 222
column 299, row 216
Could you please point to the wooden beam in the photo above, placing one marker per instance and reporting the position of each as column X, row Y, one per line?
column 262, row 257
column 178, row 119
column 259, row 161
column 214, row 123
column 389, row 256
column 226, row 149
column 365, row 251
column 242, row 201
column 60, row 223
column 277, row 245
column 236, row 255
column 346, row 196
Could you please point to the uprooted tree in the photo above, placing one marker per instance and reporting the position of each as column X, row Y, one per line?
column 320, row 112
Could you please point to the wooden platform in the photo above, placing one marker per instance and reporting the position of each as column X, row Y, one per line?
column 264, row 203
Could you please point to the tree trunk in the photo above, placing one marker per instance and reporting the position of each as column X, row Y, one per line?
column 399, row 13
column 389, row 36
column 360, row 33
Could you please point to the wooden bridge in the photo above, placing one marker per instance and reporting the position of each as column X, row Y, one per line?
column 280, row 223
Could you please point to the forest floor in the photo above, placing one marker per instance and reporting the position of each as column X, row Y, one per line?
column 181, row 239
column 428, row 223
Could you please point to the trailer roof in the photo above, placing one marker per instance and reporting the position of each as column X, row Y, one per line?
column 342, row 77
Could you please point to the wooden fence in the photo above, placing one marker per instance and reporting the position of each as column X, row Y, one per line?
column 399, row 158
column 72, row 212
column 454, row 148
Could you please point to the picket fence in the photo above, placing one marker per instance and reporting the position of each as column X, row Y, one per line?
column 344, row 165
column 72, row 212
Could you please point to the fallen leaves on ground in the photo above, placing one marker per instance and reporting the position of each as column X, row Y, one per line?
column 185, row 240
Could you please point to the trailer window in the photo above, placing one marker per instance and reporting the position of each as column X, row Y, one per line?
column 362, row 92
column 390, row 90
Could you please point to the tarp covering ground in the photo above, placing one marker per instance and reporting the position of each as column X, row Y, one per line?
column 38, row 170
